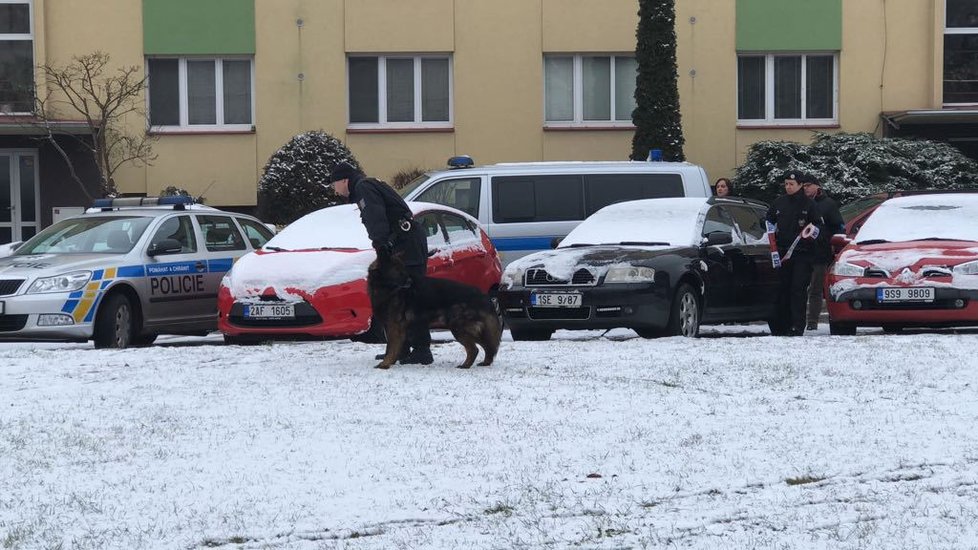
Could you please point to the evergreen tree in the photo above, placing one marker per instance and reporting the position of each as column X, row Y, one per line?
column 855, row 165
column 656, row 116
column 293, row 183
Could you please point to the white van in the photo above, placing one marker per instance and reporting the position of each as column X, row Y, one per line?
column 524, row 206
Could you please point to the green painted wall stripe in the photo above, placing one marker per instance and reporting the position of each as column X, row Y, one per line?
column 789, row 25
column 207, row 27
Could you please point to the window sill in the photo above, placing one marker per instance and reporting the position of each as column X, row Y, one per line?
column 796, row 126
column 589, row 128
column 412, row 130
column 175, row 131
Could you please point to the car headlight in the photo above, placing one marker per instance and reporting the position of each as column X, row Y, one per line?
column 844, row 269
column 68, row 282
column 629, row 274
column 967, row 268
column 511, row 277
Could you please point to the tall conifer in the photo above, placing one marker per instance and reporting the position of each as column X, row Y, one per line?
column 658, row 124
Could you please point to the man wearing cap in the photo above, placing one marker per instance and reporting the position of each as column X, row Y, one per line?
column 828, row 210
column 392, row 230
column 792, row 213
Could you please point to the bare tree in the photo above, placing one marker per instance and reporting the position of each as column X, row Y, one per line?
column 86, row 87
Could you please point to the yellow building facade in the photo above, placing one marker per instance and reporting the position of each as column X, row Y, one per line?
column 408, row 83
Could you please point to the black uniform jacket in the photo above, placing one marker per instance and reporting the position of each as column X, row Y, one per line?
column 792, row 213
column 382, row 210
column 828, row 210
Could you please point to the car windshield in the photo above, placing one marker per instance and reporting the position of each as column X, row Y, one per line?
column 858, row 206
column 336, row 227
column 923, row 217
column 102, row 235
column 412, row 185
column 650, row 222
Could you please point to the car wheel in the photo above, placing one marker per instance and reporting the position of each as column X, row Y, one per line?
column 892, row 329
column 114, row 323
column 648, row 333
column 777, row 328
column 143, row 340
column 684, row 320
column 530, row 334
column 374, row 335
column 841, row 329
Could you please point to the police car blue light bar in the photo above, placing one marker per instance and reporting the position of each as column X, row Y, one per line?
column 461, row 161
column 122, row 202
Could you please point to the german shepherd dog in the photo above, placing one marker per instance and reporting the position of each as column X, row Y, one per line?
column 438, row 303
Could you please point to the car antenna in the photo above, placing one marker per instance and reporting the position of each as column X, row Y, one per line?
column 200, row 197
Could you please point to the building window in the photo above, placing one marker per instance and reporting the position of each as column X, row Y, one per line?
column 588, row 90
column 200, row 94
column 400, row 92
column 16, row 57
column 961, row 53
column 787, row 89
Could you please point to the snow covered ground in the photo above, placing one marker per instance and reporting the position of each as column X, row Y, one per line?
column 586, row 441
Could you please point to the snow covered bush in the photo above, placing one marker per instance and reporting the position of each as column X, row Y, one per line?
column 293, row 183
column 406, row 176
column 854, row 165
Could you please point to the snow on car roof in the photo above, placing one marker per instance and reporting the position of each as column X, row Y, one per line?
column 672, row 221
column 332, row 227
column 922, row 217
column 337, row 227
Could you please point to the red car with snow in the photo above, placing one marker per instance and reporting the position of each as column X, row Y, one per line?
column 310, row 280
column 913, row 263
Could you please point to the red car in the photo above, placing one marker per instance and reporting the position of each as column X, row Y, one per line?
column 913, row 263
column 310, row 280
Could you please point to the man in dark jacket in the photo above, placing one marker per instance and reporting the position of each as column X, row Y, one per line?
column 392, row 230
column 828, row 210
column 793, row 213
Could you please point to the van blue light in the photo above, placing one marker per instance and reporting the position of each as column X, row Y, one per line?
column 461, row 161
column 132, row 202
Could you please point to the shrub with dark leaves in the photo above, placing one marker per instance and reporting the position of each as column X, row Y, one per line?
column 855, row 165
column 294, row 182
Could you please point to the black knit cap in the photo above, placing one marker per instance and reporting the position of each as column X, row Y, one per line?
column 342, row 171
column 808, row 178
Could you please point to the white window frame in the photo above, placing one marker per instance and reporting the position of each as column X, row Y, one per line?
column 185, row 125
column 23, row 37
column 769, row 119
column 417, row 123
column 578, row 86
column 954, row 30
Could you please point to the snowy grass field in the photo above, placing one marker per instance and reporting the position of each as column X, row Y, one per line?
column 586, row 441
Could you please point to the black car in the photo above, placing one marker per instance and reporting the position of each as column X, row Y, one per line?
column 661, row 267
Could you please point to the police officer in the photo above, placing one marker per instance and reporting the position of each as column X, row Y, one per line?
column 392, row 229
column 828, row 210
column 798, row 223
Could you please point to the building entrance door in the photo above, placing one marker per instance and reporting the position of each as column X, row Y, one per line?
column 19, row 205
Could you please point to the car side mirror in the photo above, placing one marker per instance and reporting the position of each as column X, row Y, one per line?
column 555, row 242
column 838, row 242
column 714, row 238
column 164, row 247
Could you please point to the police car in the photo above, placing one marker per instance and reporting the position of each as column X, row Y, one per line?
column 123, row 272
